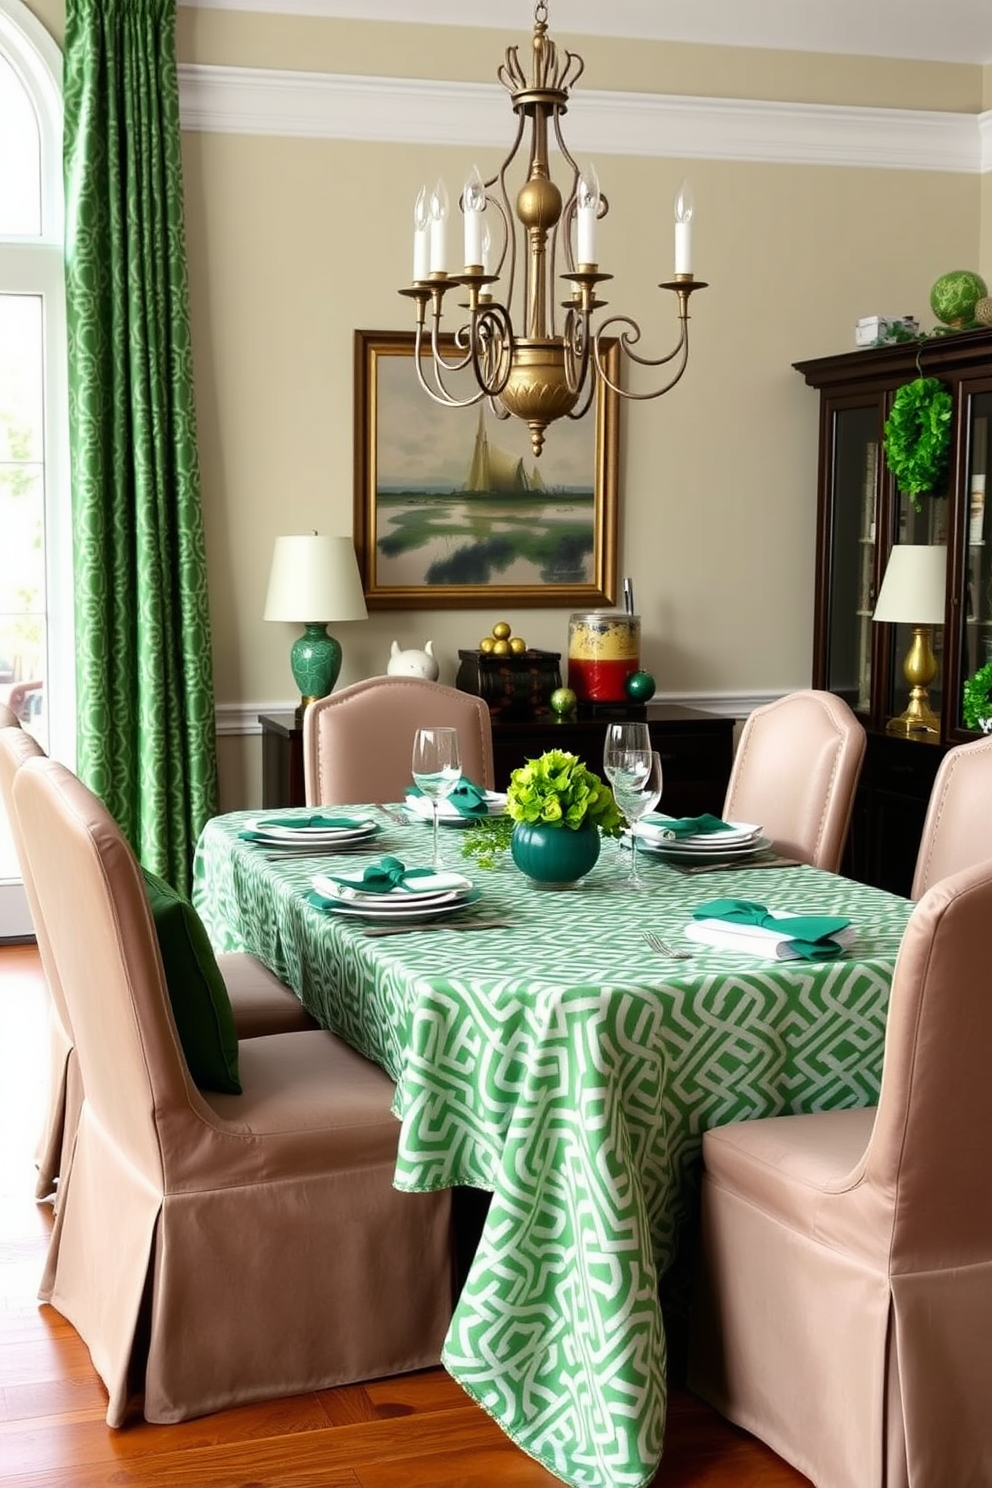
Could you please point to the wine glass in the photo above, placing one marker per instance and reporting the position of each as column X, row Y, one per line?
column 437, row 769
column 621, row 737
column 636, row 782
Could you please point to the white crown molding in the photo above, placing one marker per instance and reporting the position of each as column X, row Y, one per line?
column 238, row 100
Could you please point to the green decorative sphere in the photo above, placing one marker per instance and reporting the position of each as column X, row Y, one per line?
column 563, row 701
column 955, row 295
column 639, row 686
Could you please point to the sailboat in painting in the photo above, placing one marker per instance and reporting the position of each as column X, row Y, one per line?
column 496, row 472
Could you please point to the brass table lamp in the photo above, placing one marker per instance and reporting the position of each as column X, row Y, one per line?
column 912, row 593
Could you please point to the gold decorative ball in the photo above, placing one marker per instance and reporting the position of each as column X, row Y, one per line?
column 518, row 645
column 501, row 648
column 983, row 310
column 502, row 631
column 487, row 643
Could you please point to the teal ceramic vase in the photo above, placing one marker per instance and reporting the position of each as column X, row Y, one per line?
column 554, row 857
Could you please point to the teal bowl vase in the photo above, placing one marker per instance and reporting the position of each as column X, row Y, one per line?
column 554, row 857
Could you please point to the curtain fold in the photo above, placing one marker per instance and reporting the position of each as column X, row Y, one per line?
column 145, row 733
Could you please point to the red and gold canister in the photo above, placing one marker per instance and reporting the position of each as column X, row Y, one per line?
column 604, row 649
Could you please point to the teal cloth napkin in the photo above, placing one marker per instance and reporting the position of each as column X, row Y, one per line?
column 468, row 799
column 302, row 823
column 808, row 935
column 382, row 877
column 688, row 826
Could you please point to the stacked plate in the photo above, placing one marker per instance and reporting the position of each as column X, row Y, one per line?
column 421, row 898
column 740, row 840
column 328, row 831
column 418, row 808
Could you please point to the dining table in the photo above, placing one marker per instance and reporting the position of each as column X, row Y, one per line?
column 555, row 1059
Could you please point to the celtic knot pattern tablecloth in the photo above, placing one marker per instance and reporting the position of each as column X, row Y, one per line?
column 564, row 1066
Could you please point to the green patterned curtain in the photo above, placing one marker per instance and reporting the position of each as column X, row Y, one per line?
column 146, row 739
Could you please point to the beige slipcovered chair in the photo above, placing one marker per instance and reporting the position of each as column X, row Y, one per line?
column 8, row 718
column 844, row 1312
column 958, row 826
column 795, row 773
column 216, row 1249
column 358, row 743
column 261, row 1003
column 64, row 1088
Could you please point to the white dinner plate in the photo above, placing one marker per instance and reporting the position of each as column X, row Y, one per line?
column 418, row 808
column 363, row 828
column 678, row 853
column 651, row 828
column 366, row 910
column 431, row 887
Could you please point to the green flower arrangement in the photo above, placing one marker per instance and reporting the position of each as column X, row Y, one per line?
column 556, row 789
column 917, row 440
column 976, row 706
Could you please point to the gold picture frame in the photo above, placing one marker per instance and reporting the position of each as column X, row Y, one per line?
column 453, row 510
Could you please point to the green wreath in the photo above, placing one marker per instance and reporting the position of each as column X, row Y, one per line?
column 918, row 438
column 977, row 698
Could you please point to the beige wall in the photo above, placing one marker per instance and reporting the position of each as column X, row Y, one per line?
column 293, row 243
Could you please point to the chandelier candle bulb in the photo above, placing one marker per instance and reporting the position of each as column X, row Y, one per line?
column 473, row 206
column 438, row 229
column 421, row 239
column 587, row 198
column 684, row 206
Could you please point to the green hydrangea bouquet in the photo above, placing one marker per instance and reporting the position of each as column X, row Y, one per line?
column 559, row 790
column 556, row 789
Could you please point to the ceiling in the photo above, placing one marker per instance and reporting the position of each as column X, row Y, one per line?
column 932, row 30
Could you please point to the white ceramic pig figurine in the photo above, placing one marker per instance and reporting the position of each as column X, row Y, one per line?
column 413, row 663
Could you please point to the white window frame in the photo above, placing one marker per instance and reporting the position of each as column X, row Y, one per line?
column 35, row 265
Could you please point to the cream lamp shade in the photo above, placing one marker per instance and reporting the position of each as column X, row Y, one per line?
column 314, row 579
column 912, row 593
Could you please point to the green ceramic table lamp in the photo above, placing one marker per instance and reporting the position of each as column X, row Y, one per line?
column 314, row 579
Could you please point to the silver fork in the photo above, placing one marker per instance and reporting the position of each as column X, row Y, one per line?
column 664, row 949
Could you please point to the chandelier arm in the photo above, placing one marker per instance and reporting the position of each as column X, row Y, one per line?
column 581, row 409
column 681, row 350
column 507, row 214
column 629, row 338
column 442, row 396
column 568, row 209
column 576, row 343
column 491, row 348
column 460, row 339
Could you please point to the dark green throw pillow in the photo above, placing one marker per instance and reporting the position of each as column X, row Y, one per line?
column 200, row 1004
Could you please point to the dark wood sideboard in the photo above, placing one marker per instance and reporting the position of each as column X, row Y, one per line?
column 696, row 749
column 890, row 807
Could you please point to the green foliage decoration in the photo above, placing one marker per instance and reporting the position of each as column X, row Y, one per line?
column 976, row 705
column 556, row 789
column 918, row 438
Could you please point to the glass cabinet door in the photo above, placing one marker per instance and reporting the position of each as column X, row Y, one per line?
column 976, row 611
column 852, row 578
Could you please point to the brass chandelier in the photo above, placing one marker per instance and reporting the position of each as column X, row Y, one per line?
column 522, row 362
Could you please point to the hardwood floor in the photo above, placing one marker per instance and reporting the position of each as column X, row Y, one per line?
column 415, row 1431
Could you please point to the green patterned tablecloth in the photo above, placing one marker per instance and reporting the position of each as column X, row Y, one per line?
column 570, row 1070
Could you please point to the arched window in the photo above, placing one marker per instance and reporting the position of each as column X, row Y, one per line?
column 36, row 636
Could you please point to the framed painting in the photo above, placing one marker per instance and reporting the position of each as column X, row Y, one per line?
column 454, row 511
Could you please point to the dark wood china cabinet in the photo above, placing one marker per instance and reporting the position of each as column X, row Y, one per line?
column 860, row 517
